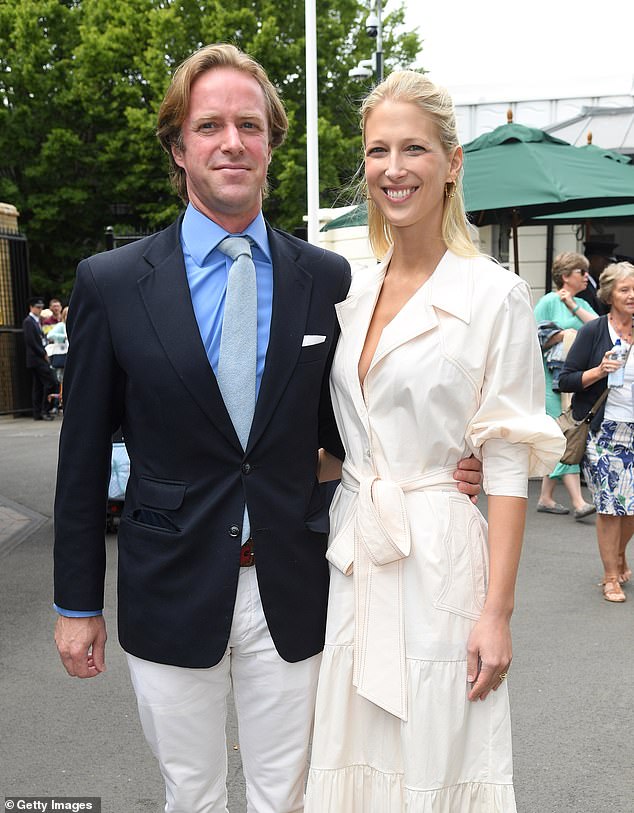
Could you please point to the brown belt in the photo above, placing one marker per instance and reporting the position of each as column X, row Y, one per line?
column 247, row 554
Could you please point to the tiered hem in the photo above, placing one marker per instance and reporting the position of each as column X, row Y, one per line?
column 362, row 789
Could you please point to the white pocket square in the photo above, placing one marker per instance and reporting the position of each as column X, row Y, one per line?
column 308, row 340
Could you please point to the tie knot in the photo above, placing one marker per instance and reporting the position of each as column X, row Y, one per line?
column 235, row 247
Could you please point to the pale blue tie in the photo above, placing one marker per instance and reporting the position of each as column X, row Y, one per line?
column 238, row 343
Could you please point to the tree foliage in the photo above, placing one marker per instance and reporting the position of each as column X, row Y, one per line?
column 80, row 86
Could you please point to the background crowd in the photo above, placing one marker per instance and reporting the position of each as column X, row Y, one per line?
column 585, row 331
column 46, row 346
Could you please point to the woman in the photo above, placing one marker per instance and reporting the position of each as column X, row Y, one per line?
column 559, row 315
column 57, row 346
column 608, row 464
column 437, row 357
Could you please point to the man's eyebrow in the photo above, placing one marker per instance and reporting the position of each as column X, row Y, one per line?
column 219, row 114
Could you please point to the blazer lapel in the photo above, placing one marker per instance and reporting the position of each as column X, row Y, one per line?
column 291, row 297
column 167, row 299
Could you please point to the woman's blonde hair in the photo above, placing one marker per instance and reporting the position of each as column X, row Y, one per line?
column 175, row 105
column 435, row 102
column 610, row 276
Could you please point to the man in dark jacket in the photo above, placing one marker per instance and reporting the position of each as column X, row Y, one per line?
column 44, row 381
column 600, row 255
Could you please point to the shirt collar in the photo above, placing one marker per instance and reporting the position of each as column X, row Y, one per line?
column 201, row 235
column 452, row 285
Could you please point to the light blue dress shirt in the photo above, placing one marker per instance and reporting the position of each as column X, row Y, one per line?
column 207, row 273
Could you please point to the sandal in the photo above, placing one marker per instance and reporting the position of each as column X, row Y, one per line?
column 612, row 590
column 625, row 573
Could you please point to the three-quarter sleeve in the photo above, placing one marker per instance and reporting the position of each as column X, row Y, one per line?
column 510, row 429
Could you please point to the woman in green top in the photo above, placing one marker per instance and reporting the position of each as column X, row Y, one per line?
column 567, row 311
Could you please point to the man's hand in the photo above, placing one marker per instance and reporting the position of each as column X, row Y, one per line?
column 81, row 643
column 469, row 476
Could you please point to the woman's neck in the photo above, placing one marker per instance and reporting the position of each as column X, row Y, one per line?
column 415, row 257
column 622, row 324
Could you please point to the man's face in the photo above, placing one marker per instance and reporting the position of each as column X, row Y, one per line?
column 36, row 310
column 598, row 263
column 226, row 149
column 56, row 306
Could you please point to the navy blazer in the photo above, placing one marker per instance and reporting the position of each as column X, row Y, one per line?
column 591, row 344
column 33, row 342
column 136, row 361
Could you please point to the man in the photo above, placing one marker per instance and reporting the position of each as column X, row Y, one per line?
column 44, row 381
column 55, row 317
column 211, row 596
column 599, row 254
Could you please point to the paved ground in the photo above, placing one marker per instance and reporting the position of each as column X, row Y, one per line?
column 572, row 682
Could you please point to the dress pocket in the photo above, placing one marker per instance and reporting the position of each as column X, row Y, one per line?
column 467, row 560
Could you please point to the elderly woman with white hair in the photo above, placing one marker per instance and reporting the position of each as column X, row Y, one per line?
column 609, row 460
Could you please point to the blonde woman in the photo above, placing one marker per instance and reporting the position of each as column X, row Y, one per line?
column 437, row 358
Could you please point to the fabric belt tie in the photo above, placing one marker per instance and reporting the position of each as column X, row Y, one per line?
column 371, row 546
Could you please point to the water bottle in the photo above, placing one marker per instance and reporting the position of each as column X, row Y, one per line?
column 618, row 353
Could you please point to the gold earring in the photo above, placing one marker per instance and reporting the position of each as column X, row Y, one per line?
column 450, row 189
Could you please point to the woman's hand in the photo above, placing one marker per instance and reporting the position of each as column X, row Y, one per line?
column 594, row 374
column 489, row 654
column 328, row 467
column 567, row 298
column 469, row 476
column 609, row 365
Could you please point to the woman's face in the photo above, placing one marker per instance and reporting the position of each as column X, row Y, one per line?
column 622, row 299
column 576, row 281
column 406, row 167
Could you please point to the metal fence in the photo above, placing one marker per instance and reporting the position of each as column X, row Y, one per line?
column 15, row 382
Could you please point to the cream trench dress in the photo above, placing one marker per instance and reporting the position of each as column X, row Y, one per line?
column 458, row 370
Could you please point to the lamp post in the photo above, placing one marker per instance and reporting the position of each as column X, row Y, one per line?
column 312, row 137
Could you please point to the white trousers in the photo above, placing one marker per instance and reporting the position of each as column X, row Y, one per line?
column 183, row 714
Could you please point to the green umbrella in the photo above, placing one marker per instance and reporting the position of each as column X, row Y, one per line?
column 601, row 212
column 355, row 217
column 614, row 156
column 514, row 173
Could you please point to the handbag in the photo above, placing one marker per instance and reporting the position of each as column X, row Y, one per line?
column 576, row 432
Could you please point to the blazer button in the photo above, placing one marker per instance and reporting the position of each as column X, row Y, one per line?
column 246, row 468
column 234, row 531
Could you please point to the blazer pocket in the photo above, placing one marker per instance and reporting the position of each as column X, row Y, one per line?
column 161, row 493
column 153, row 520
column 313, row 352
column 316, row 518
column 467, row 561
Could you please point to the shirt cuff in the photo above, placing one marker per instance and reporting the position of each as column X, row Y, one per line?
column 505, row 468
column 76, row 613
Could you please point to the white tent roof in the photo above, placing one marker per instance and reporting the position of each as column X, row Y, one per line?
column 612, row 128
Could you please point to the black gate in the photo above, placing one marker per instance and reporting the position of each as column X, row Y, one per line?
column 15, row 381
